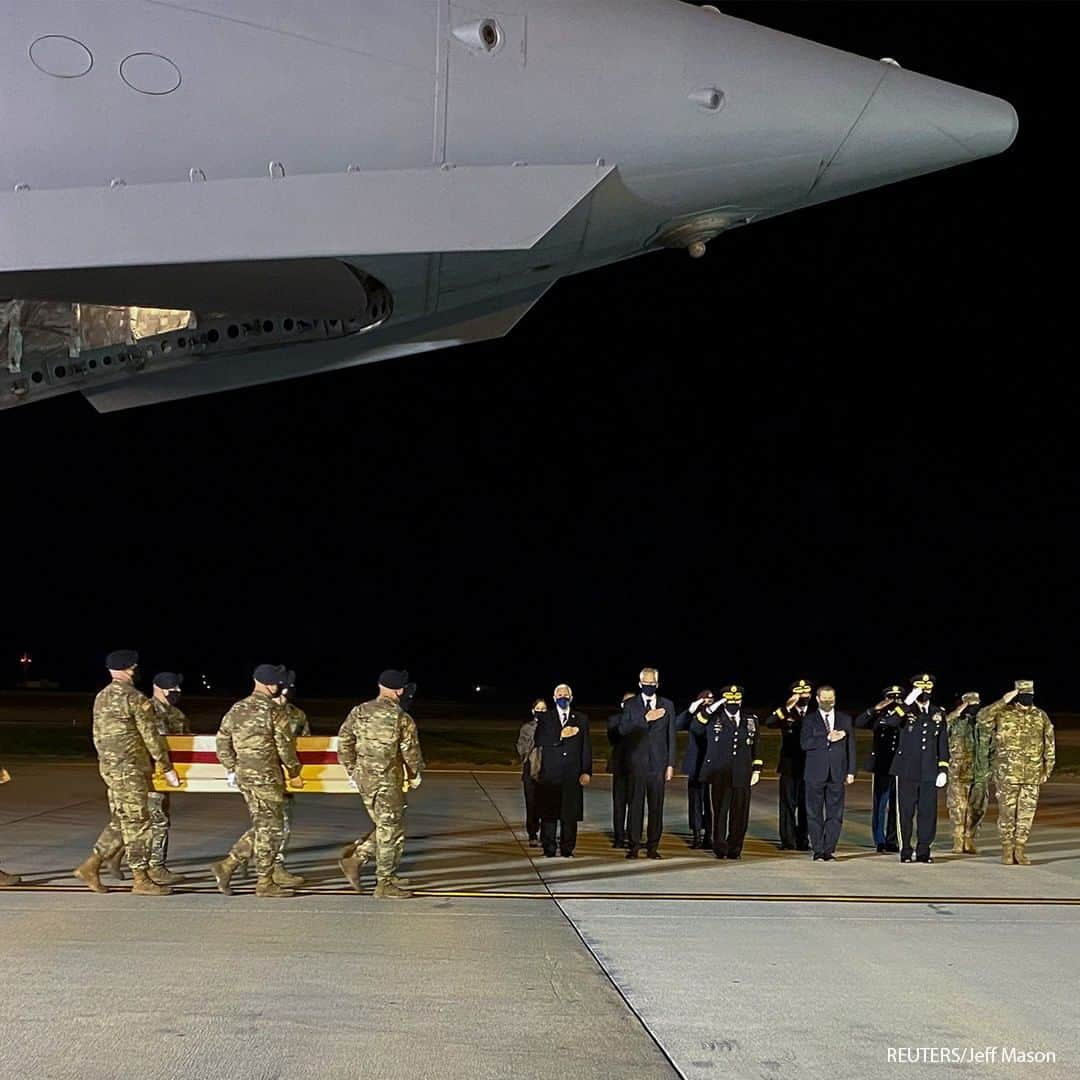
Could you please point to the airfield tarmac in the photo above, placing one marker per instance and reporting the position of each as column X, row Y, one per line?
column 512, row 965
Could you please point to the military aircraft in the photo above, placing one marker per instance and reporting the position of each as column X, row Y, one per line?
column 199, row 196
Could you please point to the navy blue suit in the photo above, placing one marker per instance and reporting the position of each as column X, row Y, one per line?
column 828, row 764
column 649, row 750
column 620, row 781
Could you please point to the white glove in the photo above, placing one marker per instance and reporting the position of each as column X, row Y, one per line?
column 715, row 707
column 942, row 779
column 352, row 783
column 695, row 705
column 230, row 781
column 755, row 776
column 414, row 782
column 172, row 779
column 910, row 699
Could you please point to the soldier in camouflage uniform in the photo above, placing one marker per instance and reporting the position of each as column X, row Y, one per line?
column 128, row 743
column 380, row 750
column 170, row 721
column 7, row 880
column 253, row 746
column 967, row 794
column 1020, row 738
column 294, row 721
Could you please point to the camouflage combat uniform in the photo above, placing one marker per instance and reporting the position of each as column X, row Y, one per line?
column 377, row 742
column 295, row 723
column 968, row 790
column 6, row 879
column 170, row 721
column 1021, row 754
column 128, row 742
column 253, row 743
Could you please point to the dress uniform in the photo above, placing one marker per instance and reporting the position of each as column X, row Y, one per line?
column 698, row 798
column 791, row 767
column 920, row 767
column 731, row 767
column 886, row 740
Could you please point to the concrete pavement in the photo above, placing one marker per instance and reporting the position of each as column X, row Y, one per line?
column 510, row 965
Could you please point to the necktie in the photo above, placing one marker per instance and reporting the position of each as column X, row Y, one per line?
column 828, row 721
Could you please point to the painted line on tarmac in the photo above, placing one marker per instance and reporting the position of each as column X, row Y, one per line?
column 644, row 897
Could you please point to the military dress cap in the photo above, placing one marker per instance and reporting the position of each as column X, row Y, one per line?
column 270, row 674
column 704, row 694
column 394, row 680
column 1025, row 686
column 893, row 690
column 122, row 659
column 732, row 693
column 168, row 680
column 923, row 682
column 801, row 687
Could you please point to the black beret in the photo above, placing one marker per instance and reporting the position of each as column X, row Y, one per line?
column 168, row 680
column 394, row 680
column 122, row 659
column 270, row 674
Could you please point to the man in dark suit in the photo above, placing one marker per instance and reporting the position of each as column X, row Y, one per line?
column 886, row 741
column 562, row 733
column 648, row 726
column 731, row 768
column 791, row 767
column 828, row 737
column 921, row 766
column 620, row 778
column 699, row 802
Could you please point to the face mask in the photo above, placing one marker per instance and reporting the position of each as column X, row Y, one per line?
column 648, row 690
column 563, row 702
column 732, row 707
column 804, row 700
column 1026, row 699
column 172, row 697
column 924, row 698
column 826, row 706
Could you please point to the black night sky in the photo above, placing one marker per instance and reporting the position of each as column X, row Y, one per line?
column 841, row 445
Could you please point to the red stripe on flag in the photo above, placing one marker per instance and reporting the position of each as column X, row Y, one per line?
column 208, row 757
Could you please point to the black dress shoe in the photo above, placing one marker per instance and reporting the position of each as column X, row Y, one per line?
column 787, row 847
column 734, row 854
column 923, row 858
column 892, row 849
column 802, row 847
column 652, row 853
column 632, row 853
column 905, row 858
column 881, row 849
column 706, row 843
column 533, row 842
column 695, row 840
column 549, row 854
column 828, row 857
column 818, row 856
column 567, row 854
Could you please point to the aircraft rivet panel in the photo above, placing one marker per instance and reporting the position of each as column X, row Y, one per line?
column 60, row 56
column 149, row 73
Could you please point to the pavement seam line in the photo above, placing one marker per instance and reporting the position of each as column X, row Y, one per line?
column 581, row 937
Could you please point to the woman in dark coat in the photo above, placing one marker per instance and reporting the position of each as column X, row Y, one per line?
column 562, row 733
column 526, row 741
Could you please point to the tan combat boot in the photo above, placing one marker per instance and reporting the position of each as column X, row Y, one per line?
column 1020, row 855
column 223, row 872
column 957, row 842
column 1007, row 854
column 162, row 875
column 387, row 890
column 969, row 845
column 90, row 872
column 349, row 851
column 350, row 866
column 267, row 886
column 112, row 866
column 146, row 886
column 7, row 880
column 282, row 876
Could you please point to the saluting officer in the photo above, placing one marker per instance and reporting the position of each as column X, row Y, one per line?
column 731, row 768
column 886, row 741
column 921, row 765
column 698, row 799
column 791, row 767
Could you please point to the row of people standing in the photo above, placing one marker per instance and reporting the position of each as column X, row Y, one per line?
column 916, row 749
